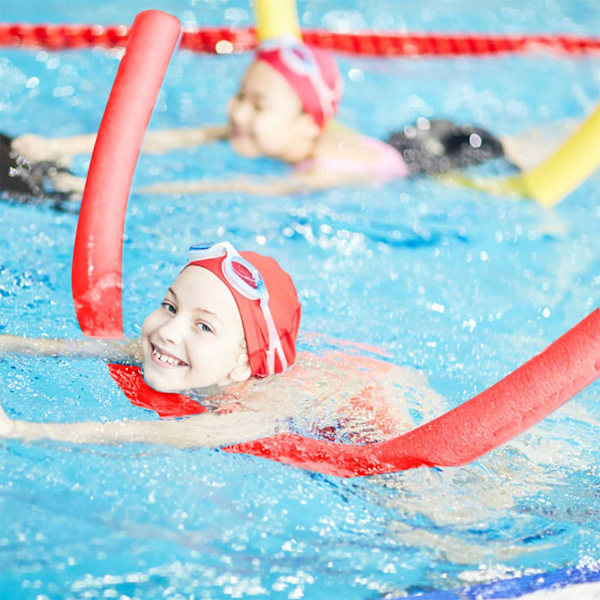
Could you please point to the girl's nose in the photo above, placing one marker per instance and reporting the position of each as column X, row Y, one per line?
column 171, row 331
column 239, row 112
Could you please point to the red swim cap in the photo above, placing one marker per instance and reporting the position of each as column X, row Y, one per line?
column 313, row 74
column 283, row 304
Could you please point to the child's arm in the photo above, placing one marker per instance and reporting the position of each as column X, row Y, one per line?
column 159, row 142
column 83, row 347
column 208, row 430
column 274, row 186
column 36, row 148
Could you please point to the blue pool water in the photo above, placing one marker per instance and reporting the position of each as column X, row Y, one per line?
column 457, row 284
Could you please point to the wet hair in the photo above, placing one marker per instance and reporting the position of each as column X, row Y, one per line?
column 438, row 146
column 24, row 181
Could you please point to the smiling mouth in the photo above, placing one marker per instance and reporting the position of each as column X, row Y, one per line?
column 164, row 359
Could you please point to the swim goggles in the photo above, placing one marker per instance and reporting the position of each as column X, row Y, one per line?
column 298, row 58
column 245, row 278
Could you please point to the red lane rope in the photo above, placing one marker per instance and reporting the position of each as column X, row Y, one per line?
column 223, row 40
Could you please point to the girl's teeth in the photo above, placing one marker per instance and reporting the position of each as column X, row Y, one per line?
column 166, row 359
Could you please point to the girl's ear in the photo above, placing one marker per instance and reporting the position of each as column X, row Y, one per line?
column 242, row 370
column 240, row 373
column 309, row 126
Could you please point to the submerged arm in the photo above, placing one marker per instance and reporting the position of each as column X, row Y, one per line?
column 158, row 142
column 208, row 430
column 83, row 348
column 274, row 186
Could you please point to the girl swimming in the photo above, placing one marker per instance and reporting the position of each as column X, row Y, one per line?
column 225, row 335
column 284, row 109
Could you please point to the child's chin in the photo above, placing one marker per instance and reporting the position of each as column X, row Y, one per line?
column 245, row 148
column 158, row 383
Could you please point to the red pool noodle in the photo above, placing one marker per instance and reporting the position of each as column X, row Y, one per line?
column 463, row 434
column 459, row 436
column 97, row 259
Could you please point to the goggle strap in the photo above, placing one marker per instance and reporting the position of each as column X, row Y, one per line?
column 278, row 42
column 274, row 341
column 306, row 66
column 211, row 251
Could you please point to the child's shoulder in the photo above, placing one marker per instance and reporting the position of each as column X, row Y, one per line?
column 355, row 392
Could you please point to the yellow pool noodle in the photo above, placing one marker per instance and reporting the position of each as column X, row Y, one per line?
column 569, row 166
column 276, row 19
column 548, row 183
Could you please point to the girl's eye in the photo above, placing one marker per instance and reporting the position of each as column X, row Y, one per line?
column 204, row 328
column 168, row 307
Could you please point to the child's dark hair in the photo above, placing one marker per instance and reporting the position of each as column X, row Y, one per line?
column 438, row 146
column 24, row 181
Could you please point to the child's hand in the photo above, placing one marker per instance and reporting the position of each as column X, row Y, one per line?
column 36, row 148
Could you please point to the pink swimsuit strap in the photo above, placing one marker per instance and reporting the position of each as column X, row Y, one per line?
column 389, row 165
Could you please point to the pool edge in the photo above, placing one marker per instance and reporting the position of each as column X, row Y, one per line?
column 518, row 587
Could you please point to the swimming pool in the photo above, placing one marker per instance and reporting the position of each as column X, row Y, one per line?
column 457, row 284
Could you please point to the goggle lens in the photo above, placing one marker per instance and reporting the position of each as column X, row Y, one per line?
column 244, row 274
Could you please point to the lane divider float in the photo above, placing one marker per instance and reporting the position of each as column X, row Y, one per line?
column 223, row 40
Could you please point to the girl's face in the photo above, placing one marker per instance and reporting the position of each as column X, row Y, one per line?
column 266, row 117
column 195, row 338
